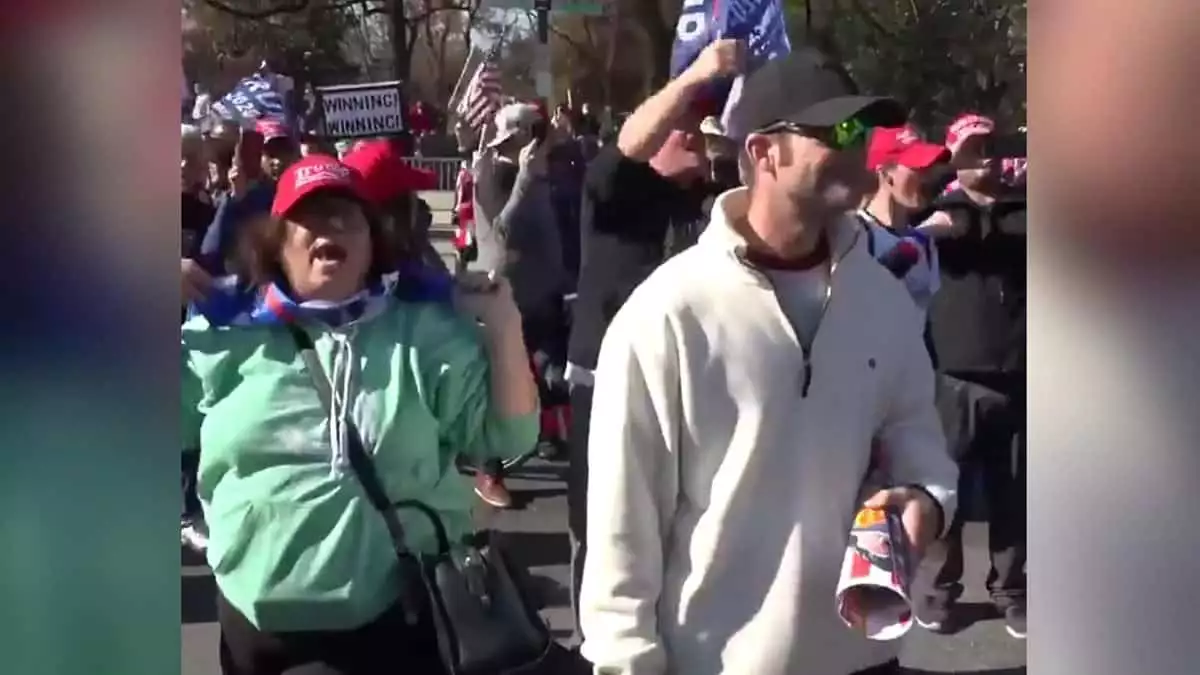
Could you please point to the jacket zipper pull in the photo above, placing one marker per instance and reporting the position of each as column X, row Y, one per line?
column 807, row 376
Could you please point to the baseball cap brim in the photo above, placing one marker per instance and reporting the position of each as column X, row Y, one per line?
column 502, row 136
column 922, row 156
column 879, row 111
column 317, row 174
column 282, row 207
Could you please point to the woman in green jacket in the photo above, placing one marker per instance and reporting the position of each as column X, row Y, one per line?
column 305, row 568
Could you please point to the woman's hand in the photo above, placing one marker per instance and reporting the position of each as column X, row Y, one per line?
column 488, row 298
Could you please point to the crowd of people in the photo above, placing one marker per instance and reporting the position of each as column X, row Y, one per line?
column 736, row 334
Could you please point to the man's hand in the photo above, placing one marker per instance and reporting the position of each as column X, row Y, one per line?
column 918, row 511
column 464, row 136
column 532, row 159
column 721, row 58
column 940, row 225
column 237, row 181
column 196, row 281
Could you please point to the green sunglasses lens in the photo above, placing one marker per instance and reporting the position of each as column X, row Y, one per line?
column 849, row 133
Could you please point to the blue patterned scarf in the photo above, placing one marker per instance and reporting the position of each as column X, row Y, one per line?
column 232, row 303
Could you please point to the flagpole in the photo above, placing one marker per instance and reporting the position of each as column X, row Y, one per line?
column 462, row 77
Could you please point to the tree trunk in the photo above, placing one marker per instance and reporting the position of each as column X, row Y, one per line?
column 610, row 59
column 821, row 16
column 401, row 43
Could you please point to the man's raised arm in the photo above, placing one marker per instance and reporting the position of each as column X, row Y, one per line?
column 644, row 132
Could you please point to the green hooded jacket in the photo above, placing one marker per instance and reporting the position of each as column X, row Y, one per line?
column 294, row 543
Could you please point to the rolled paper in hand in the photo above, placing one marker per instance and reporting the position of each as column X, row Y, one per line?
column 873, row 589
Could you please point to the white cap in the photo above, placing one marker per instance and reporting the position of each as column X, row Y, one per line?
column 511, row 119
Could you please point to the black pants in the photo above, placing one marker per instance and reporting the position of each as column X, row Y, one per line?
column 577, row 477
column 984, row 420
column 385, row 646
column 191, row 503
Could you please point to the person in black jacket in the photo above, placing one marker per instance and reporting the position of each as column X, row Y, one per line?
column 977, row 324
column 643, row 200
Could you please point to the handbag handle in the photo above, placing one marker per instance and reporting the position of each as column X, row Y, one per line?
column 360, row 462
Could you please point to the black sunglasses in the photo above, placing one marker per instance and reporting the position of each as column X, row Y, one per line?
column 845, row 135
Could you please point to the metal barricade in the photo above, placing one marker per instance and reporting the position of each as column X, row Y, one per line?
column 446, row 169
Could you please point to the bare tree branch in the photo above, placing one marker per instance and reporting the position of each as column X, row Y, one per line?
column 584, row 50
column 298, row 6
column 427, row 14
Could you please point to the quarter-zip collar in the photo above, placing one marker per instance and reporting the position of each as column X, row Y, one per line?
column 732, row 206
column 842, row 236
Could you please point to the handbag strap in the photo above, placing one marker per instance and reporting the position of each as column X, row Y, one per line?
column 360, row 462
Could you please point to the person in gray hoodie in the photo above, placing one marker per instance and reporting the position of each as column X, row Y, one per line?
column 517, row 235
column 515, row 222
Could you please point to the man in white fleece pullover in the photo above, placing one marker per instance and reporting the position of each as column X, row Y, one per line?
column 737, row 395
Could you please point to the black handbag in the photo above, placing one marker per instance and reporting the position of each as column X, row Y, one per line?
column 478, row 597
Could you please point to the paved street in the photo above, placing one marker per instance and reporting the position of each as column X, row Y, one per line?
column 538, row 529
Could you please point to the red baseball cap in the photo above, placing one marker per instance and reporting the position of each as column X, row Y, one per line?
column 384, row 174
column 903, row 146
column 272, row 129
column 315, row 173
column 966, row 126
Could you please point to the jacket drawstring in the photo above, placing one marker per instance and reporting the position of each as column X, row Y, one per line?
column 340, row 405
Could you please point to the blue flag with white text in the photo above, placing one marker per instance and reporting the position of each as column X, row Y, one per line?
column 254, row 98
column 760, row 23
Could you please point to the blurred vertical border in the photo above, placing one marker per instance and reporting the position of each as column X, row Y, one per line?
column 1114, row 337
column 89, row 489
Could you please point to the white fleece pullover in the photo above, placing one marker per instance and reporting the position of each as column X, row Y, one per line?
column 726, row 464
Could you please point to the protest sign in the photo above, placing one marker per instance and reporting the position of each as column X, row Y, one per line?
column 354, row 110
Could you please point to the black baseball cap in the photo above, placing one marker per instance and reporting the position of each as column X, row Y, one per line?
column 807, row 88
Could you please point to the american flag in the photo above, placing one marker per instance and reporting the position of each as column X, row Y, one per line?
column 481, row 100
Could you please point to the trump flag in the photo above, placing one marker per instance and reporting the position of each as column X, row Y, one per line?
column 759, row 23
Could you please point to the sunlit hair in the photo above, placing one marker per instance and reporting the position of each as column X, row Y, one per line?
column 260, row 243
column 400, row 224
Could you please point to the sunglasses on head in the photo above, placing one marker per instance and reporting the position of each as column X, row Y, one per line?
column 845, row 135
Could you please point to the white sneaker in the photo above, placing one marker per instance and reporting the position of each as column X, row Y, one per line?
column 193, row 533
column 935, row 626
